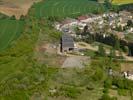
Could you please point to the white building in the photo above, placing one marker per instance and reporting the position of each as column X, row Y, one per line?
column 128, row 75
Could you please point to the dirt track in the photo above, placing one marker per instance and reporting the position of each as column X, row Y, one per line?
column 16, row 7
column 88, row 46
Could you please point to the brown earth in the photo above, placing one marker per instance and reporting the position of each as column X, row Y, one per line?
column 16, row 7
column 126, row 67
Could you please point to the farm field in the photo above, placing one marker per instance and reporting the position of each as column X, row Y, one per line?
column 119, row 2
column 9, row 30
column 16, row 7
column 66, row 8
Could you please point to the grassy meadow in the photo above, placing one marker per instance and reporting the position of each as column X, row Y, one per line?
column 66, row 8
column 9, row 30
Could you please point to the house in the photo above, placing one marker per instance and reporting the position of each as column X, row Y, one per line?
column 69, row 22
column 100, row 22
column 130, row 30
column 125, row 13
column 123, row 21
column 57, row 25
column 110, row 71
column 81, row 25
column 128, row 75
column 67, row 43
column 120, row 35
column 84, row 19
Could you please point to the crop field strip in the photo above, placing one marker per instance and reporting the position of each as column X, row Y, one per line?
column 119, row 2
column 9, row 30
column 64, row 8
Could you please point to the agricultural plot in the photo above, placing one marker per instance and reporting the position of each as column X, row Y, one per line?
column 16, row 7
column 119, row 2
column 66, row 8
column 9, row 30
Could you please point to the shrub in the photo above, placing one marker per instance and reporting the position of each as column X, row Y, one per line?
column 107, row 97
column 101, row 50
column 71, row 92
column 122, row 83
column 98, row 74
column 108, row 83
column 123, row 92
column 105, row 90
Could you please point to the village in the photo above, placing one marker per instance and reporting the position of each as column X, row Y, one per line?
column 66, row 49
column 105, row 24
column 72, row 51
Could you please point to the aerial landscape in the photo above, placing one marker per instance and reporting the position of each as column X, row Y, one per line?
column 66, row 49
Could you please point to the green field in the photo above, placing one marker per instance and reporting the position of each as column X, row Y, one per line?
column 66, row 8
column 9, row 30
column 119, row 2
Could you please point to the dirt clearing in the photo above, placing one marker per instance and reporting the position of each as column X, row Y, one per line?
column 16, row 7
column 126, row 67
column 75, row 61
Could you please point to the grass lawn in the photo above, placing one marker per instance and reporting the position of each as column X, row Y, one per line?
column 105, row 45
column 114, row 93
column 129, row 37
column 65, row 8
column 72, row 84
column 9, row 30
column 90, row 53
column 119, row 2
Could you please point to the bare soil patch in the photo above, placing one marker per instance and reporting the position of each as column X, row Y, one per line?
column 75, row 61
column 16, row 7
column 46, row 53
column 127, row 67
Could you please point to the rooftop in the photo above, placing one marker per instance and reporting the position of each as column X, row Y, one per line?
column 68, row 20
column 67, row 41
column 82, row 17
